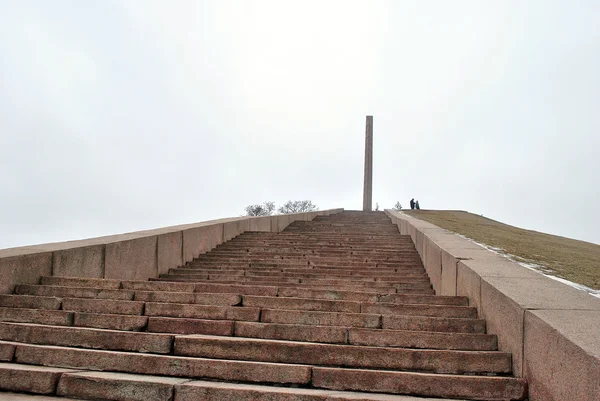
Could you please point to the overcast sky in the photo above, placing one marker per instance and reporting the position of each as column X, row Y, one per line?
column 118, row 116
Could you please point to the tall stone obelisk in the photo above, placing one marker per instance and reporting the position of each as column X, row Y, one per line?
column 368, row 188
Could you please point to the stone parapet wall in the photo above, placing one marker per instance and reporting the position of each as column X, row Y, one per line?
column 133, row 256
column 551, row 329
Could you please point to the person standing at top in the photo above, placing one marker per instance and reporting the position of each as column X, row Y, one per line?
column 417, row 205
column 412, row 203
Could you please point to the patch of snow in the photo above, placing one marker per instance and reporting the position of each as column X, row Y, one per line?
column 535, row 267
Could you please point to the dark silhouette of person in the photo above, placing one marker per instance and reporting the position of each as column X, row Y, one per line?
column 412, row 203
column 417, row 205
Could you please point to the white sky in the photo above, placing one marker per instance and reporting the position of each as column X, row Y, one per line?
column 124, row 115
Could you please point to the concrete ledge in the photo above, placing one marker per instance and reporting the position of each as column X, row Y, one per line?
column 132, row 256
column 550, row 328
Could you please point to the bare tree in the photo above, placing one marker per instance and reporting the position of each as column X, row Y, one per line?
column 397, row 206
column 266, row 209
column 297, row 207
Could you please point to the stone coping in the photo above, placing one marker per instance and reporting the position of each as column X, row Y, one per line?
column 138, row 255
column 551, row 329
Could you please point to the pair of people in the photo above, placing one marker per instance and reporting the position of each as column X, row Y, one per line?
column 414, row 205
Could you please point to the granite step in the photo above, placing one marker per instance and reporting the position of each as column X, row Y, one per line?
column 423, row 384
column 162, row 365
column 86, row 338
column 31, row 379
column 30, row 302
column 38, row 316
column 320, row 354
column 73, row 292
column 384, row 381
column 122, row 386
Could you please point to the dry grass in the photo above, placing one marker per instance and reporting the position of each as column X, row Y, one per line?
column 574, row 260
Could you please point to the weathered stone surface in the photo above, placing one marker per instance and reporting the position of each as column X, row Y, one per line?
column 30, row 302
column 134, row 259
column 320, row 334
column 104, row 306
column 555, row 339
column 82, row 282
column 471, row 387
column 31, row 379
column 440, row 361
column 162, row 365
column 165, row 296
column 72, row 292
column 424, row 299
column 198, row 240
column 23, row 269
column 542, row 293
column 40, row 316
column 158, row 286
column 217, row 299
column 237, row 289
column 117, row 386
column 327, row 294
column 505, row 319
column 301, row 303
column 320, row 318
column 169, row 251
column 202, row 311
column 234, row 228
column 468, row 284
column 448, row 280
column 109, row 321
column 86, row 338
column 420, row 310
column 29, row 397
column 201, row 390
column 420, row 339
column 190, row 326
column 433, row 263
column 422, row 323
column 84, row 261
column 260, row 224
column 7, row 351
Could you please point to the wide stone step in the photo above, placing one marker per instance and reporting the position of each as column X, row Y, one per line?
column 31, row 397
column 118, row 386
column 424, row 384
column 420, row 310
column 110, row 321
column 202, row 390
column 384, row 286
column 428, row 385
column 218, row 299
column 40, row 316
column 73, row 292
column 30, row 379
column 297, row 278
column 190, row 326
column 427, row 323
column 30, row 302
column 86, row 338
column 301, row 304
column 162, row 365
column 319, row 354
column 303, row 273
column 82, row 282
column 104, row 306
column 202, row 311
column 272, row 289
column 130, row 387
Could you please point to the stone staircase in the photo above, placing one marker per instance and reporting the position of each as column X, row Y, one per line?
column 338, row 308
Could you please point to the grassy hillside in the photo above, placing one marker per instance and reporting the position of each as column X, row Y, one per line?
column 577, row 261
